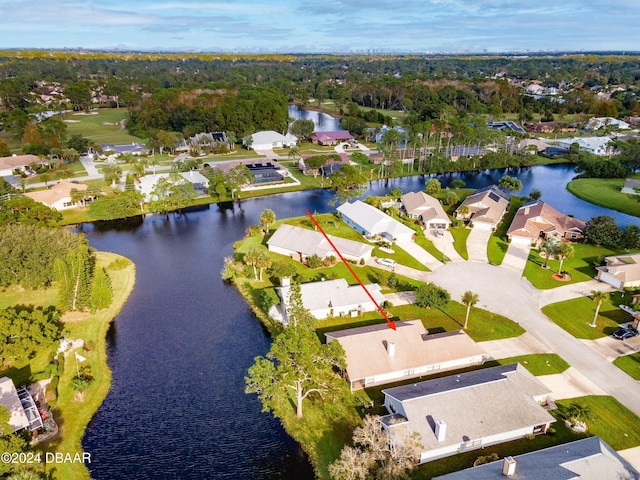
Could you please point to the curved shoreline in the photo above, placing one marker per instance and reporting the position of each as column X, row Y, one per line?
column 606, row 183
column 74, row 415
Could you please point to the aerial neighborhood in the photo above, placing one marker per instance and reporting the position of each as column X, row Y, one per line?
column 418, row 275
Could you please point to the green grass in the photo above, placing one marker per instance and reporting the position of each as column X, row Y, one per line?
column 580, row 266
column 575, row 316
column 73, row 414
column 460, row 236
column 16, row 295
column 539, row 363
column 606, row 192
column 629, row 364
column 103, row 127
column 497, row 245
column 400, row 256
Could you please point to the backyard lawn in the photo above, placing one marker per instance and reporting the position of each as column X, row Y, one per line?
column 575, row 316
column 606, row 192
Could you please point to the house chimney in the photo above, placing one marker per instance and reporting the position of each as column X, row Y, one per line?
column 509, row 466
column 441, row 430
column 391, row 349
column 285, row 281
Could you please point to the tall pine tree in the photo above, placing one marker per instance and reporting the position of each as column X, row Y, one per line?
column 74, row 275
column 101, row 290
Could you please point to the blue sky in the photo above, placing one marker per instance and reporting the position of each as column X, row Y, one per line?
column 323, row 25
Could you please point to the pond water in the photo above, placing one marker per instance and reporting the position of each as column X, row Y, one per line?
column 180, row 348
column 323, row 122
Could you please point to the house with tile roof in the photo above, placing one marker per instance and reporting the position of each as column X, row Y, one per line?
column 486, row 207
column 469, row 411
column 620, row 271
column 371, row 222
column 586, row 459
column 17, row 162
column 377, row 355
column 301, row 243
column 59, row 196
column 331, row 138
column 420, row 206
column 539, row 220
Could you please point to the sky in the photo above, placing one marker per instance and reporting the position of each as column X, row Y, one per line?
column 323, row 26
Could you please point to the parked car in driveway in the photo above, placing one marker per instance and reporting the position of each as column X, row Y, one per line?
column 387, row 262
column 624, row 333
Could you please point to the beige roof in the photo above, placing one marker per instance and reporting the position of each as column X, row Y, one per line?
column 56, row 193
column 473, row 405
column 10, row 399
column 367, row 356
column 427, row 207
column 536, row 216
column 487, row 206
column 624, row 267
column 309, row 242
column 18, row 161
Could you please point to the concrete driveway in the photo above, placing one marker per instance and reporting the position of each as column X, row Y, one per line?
column 525, row 344
column 570, row 384
column 501, row 290
column 477, row 245
column 516, row 257
column 444, row 243
column 420, row 254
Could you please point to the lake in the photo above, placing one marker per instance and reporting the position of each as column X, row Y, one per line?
column 323, row 121
column 180, row 348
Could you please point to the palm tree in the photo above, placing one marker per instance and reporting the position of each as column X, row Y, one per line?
column 563, row 252
column 549, row 248
column 598, row 297
column 463, row 211
column 469, row 299
column 294, row 152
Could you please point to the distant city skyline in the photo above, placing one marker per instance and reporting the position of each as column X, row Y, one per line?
column 346, row 26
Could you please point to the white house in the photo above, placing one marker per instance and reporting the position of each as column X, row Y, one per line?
column 468, row 411
column 58, row 196
column 301, row 243
column 377, row 354
column 419, row 205
column 620, row 271
column 596, row 145
column 148, row 182
column 596, row 123
column 16, row 162
column 332, row 298
column 268, row 139
column 370, row 221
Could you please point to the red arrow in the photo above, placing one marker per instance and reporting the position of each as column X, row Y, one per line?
column 390, row 323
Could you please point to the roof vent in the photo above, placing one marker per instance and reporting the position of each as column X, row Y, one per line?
column 441, row 430
column 391, row 349
column 509, row 466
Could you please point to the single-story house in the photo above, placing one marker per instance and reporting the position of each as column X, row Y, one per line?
column 588, row 458
column 148, row 182
column 301, row 243
column 268, row 139
column 262, row 169
column 58, row 196
column 17, row 162
column 133, row 148
column 486, row 207
column 596, row 145
column 377, row 354
column 630, row 186
column 537, row 219
column 620, row 271
column 23, row 412
column 468, row 411
column 596, row 123
column 420, row 206
column 331, row 138
column 371, row 222
column 506, row 125
column 208, row 139
column 334, row 162
column 332, row 298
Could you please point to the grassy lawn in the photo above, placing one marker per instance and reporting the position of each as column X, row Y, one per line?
column 497, row 245
column 539, row 364
column 580, row 266
column 401, row 257
column 606, row 192
column 72, row 413
column 101, row 127
column 630, row 364
column 460, row 240
column 576, row 314
column 17, row 295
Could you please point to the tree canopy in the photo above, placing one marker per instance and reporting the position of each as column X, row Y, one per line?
column 26, row 330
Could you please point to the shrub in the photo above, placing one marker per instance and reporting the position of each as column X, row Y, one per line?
column 51, row 393
column 314, row 261
column 486, row 459
column 362, row 261
column 60, row 359
column 118, row 264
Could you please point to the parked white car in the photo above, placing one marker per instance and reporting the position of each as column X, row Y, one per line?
column 387, row 262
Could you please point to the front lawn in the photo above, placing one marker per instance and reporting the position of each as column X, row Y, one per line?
column 539, row 363
column 497, row 245
column 606, row 192
column 400, row 256
column 575, row 316
column 460, row 236
column 629, row 364
column 581, row 267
